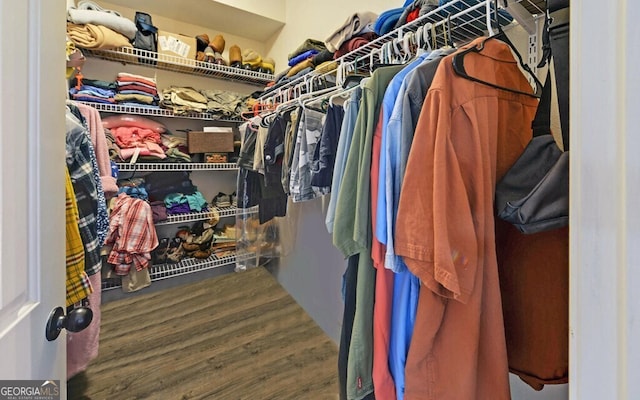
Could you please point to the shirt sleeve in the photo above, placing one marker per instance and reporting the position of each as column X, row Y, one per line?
column 435, row 233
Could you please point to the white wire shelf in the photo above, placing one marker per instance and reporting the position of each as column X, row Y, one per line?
column 223, row 212
column 130, row 55
column 154, row 167
column 185, row 266
column 156, row 112
column 459, row 21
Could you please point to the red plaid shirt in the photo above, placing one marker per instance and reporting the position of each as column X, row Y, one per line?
column 132, row 234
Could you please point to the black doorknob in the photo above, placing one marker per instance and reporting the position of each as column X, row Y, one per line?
column 75, row 321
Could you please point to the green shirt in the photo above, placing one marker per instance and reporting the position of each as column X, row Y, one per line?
column 352, row 230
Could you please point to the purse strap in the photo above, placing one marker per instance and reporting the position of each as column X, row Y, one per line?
column 142, row 25
column 541, row 124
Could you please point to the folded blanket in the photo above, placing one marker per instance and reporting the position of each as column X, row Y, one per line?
column 123, row 85
column 94, row 99
column 136, row 98
column 352, row 26
column 93, row 91
column 91, row 36
column 90, row 13
column 309, row 44
column 387, row 21
column 354, row 43
column 126, row 77
column 301, row 57
column 107, row 85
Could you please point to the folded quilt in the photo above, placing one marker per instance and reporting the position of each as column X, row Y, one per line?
column 91, row 36
column 108, row 19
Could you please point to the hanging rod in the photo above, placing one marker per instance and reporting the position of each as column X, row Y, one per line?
column 467, row 21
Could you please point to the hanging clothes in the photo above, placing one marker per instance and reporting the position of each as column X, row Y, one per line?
column 447, row 238
column 352, row 230
column 396, row 142
column 87, row 188
column 78, row 286
column 351, row 108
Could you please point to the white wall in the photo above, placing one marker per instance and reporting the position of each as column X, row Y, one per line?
column 274, row 9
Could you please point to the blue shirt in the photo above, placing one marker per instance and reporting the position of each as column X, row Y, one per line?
column 388, row 139
column 351, row 108
column 406, row 286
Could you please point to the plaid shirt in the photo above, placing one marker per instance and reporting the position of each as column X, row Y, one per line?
column 132, row 234
column 79, row 148
column 78, row 285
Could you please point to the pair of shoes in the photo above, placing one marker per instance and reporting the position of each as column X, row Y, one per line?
column 221, row 200
column 217, row 44
column 159, row 254
column 175, row 252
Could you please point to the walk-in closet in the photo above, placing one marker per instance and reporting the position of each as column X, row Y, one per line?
column 319, row 200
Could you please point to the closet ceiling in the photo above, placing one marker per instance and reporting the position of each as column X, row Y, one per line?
column 210, row 14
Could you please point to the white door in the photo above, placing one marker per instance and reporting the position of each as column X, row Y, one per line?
column 32, row 230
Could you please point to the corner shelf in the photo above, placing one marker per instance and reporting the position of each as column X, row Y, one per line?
column 223, row 212
column 131, row 55
column 155, row 112
column 155, row 167
column 186, row 266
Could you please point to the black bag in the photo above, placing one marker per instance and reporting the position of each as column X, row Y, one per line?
column 147, row 34
column 534, row 194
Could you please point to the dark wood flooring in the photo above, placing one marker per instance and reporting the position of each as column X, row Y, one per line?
column 237, row 336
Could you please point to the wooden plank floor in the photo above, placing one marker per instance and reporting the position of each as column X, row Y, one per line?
column 237, row 336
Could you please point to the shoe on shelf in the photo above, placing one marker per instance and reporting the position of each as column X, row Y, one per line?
column 235, row 56
column 202, row 41
column 159, row 254
column 251, row 60
column 217, row 44
column 222, row 200
column 267, row 66
column 176, row 251
column 234, row 199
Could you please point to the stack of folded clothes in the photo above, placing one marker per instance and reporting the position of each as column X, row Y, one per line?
column 92, row 27
column 134, row 136
column 177, row 192
column 310, row 55
column 92, row 90
column 356, row 25
column 355, row 32
column 183, row 100
column 224, row 104
column 136, row 90
column 117, row 126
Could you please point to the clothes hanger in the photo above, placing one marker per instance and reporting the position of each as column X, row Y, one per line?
column 459, row 69
column 343, row 93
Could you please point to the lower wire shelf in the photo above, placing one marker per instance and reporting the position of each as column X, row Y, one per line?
column 185, row 266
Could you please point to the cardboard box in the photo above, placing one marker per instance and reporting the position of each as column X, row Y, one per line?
column 176, row 51
column 210, row 142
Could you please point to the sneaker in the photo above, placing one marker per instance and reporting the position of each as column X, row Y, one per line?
column 222, row 200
